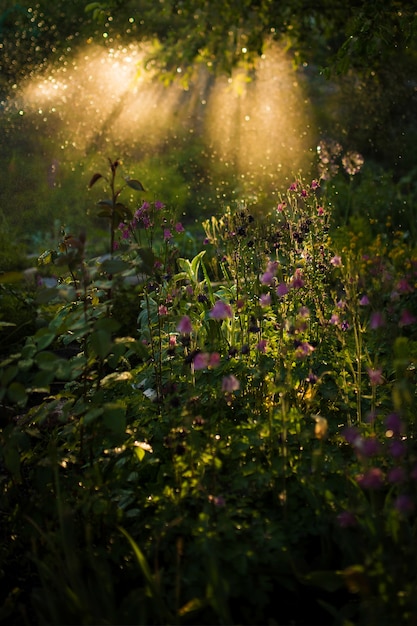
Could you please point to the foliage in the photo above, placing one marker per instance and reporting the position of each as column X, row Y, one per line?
column 248, row 434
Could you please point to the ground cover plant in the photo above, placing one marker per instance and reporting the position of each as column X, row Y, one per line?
column 221, row 438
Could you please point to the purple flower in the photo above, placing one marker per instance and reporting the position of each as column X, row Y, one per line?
column 282, row 289
column 377, row 320
column 262, row 345
column 404, row 504
column 184, row 325
column 218, row 501
column 403, row 286
column 367, row 447
column 375, row 376
column 297, row 280
column 230, row 383
column 201, row 360
column 265, row 299
column 162, row 310
column 347, row 519
column 407, row 318
column 221, row 311
column 351, row 434
column 267, row 278
column 394, row 423
column 179, row 227
column 303, row 350
column 167, row 234
column 158, row 205
column 396, row 475
column 336, row 261
column 214, row 360
column 364, row 301
column 397, row 449
column 371, row 479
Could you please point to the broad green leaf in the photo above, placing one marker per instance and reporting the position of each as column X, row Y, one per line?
column 44, row 338
column 101, row 343
column 8, row 375
column 114, row 417
column 116, row 377
column 114, row 266
column 46, row 360
column 17, row 393
column 12, row 460
column 108, row 324
column 92, row 415
column 11, row 277
column 134, row 184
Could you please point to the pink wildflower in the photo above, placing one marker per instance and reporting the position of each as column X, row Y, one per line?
column 403, row 286
column 336, row 261
column 214, row 360
column 396, row 475
column 371, row 479
column 404, row 504
column 407, row 318
column 184, row 325
column 346, row 519
column 221, row 311
column 162, row 310
column 167, row 234
column 297, row 280
column 265, row 299
column 394, row 423
column 230, row 383
column 303, row 350
column 179, row 227
column 364, row 301
column 267, row 278
column 397, row 449
column 262, row 345
column 201, row 360
column 375, row 376
column 377, row 320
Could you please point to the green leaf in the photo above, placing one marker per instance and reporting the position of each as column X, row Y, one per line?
column 8, row 375
column 134, row 184
column 114, row 417
column 92, row 415
column 44, row 338
column 17, row 393
column 108, row 324
column 12, row 460
column 147, row 256
column 114, row 266
column 46, row 361
column 11, row 277
column 152, row 587
column 97, row 175
column 328, row 580
column 101, row 343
